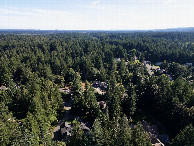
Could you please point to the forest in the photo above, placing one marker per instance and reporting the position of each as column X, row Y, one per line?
column 96, row 88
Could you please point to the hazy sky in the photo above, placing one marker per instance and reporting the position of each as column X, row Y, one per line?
column 96, row 14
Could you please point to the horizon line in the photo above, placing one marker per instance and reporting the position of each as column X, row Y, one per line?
column 152, row 29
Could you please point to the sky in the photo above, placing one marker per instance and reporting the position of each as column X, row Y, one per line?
column 96, row 14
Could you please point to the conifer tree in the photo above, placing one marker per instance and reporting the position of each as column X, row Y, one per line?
column 96, row 135
column 91, row 105
column 124, row 137
column 77, row 135
column 185, row 137
column 9, row 128
column 140, row 137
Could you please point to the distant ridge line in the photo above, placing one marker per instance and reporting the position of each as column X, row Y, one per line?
column 179, row 29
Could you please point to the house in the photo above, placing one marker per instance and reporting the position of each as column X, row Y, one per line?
column 56, row 134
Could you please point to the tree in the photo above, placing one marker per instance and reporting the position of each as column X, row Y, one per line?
column 77, row 135
column 91, row 105
column 140, row 137
column 124, row 137
column 163, row 98
column 96, row 135
column 185, row 137
column 114, row 103
column 78, row 107
column 9, row 128
column 129, row 102
column 77, row 84
column 5, row 75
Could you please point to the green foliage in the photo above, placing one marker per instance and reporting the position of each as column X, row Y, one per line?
column 96, row 135
column 9, row 129
column 77, row 135
column 185, row 137
column 140, row 137
column 129, row 101
column 32, row 67
column 125, row 133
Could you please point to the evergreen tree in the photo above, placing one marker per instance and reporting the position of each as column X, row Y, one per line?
column 129, row 102
column 96, row 135
column 77, row 136
column 9, row 128
column 124, row 137
column 140, row 137
column 91, row 105
column 114, row 94
column 185, row 137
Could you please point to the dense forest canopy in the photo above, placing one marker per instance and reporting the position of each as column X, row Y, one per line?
column 116, row 68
